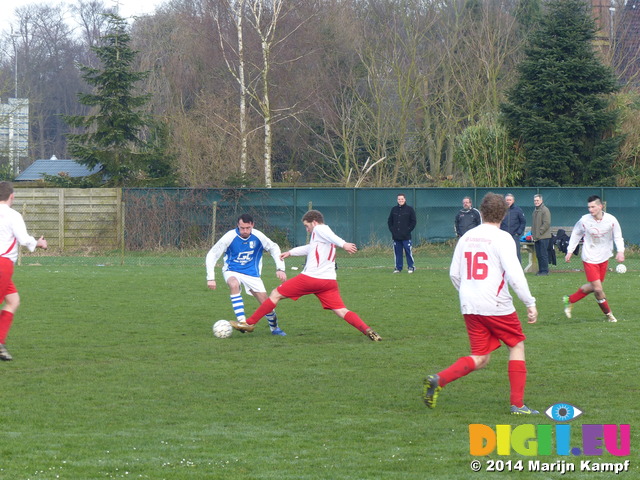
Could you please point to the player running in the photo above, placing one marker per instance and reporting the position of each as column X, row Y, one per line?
column 242, row 249
column 600, row 231
column 318, row 277
column 483, row 262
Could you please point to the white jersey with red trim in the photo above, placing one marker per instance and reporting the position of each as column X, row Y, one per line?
column 484, row 261
column 599, row 237
column 13, row 231
column 320, row 252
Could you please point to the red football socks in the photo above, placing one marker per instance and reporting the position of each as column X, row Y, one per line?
column 461, row 367
column 266, row 307
column 352, row 318
column 517, row 381
column 579, row 295
column 6, row 318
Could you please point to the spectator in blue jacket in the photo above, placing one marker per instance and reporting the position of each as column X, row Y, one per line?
column 514, row 221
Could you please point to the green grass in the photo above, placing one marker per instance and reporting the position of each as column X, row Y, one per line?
column 117, row 375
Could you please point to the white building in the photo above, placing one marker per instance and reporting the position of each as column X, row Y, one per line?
column 14, row 131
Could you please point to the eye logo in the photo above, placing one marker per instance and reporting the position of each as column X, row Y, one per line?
column 563, row 412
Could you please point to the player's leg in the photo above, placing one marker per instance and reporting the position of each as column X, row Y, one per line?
column 12, row 301
column 235, row 294
column 272, row 317
column 583, row 291
column 353, row 319
column 509, row 331
column 398, row 254
column 11, row 298
column 265, row 307
column 328, row 293
column 482, row 341
column 598, row 291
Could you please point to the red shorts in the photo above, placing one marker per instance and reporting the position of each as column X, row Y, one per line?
column 486, row 332
column 595, row 271
column 326, row 290
column 6, row 284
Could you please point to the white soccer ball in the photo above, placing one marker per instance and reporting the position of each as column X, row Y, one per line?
column 620, row 268
column 222, row 329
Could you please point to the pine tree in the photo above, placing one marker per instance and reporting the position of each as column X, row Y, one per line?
column 118, row 135
column 558, row 109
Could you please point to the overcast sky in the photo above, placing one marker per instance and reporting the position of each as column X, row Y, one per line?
column 127, row 8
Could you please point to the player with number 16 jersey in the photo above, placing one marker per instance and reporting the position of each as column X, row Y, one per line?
column 484, row 263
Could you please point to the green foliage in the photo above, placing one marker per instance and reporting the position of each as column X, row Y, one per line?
column 142, row 389
column 128, row 145
column 558, row 109
column 487, row 156
column 63, row 180
column 627, row 164
column 6, row 172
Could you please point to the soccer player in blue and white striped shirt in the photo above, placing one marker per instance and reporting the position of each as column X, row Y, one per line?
column 242, row 249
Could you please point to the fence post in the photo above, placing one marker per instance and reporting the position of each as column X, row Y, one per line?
column 310, row 207
column 213, row 222
column 24, row 211
column 61, row 208
column 120, row 211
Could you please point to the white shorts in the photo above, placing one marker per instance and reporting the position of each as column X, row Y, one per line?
column 250, row 283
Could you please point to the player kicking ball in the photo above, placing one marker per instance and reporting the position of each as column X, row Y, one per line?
column 600, row 231
column 317, row 278
column 484, row 260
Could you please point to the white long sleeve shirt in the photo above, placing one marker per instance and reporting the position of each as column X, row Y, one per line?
column 484, row 261
column 13, row 232
column 320, row 252
column 599, row 238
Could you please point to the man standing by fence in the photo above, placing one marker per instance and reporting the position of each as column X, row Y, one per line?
column 514, row 222
column 467, row 218
column 541, row 233
column 13, row 233
column 401, row 222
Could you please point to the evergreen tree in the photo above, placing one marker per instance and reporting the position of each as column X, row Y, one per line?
column 118, row 135
column 558, row 109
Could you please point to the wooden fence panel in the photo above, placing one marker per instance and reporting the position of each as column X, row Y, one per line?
column 73, row 218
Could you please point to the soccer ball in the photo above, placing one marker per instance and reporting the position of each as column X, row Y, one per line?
column 620, row 268
column 222, row 329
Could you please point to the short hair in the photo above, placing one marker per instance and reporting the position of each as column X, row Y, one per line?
column 493, row 208
column 313, row 216
column 510, row 195
column 401, row 195
column 594, row 198
column 6, row 189
column 245, row 218
column 467, row 198
column 537, row 195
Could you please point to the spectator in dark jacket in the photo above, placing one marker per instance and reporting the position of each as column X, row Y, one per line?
column 467, row 218
column 514, row 221
column 402, row 221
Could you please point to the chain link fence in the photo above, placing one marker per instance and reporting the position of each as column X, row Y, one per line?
column 178, row 226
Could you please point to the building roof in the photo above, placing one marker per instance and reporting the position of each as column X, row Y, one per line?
column 55, row 167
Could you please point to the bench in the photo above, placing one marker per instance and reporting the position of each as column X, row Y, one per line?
column 530, row 249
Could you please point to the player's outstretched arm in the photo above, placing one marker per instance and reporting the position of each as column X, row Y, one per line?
column 350, row 247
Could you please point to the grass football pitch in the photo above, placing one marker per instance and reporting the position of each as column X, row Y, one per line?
column 116, row 374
